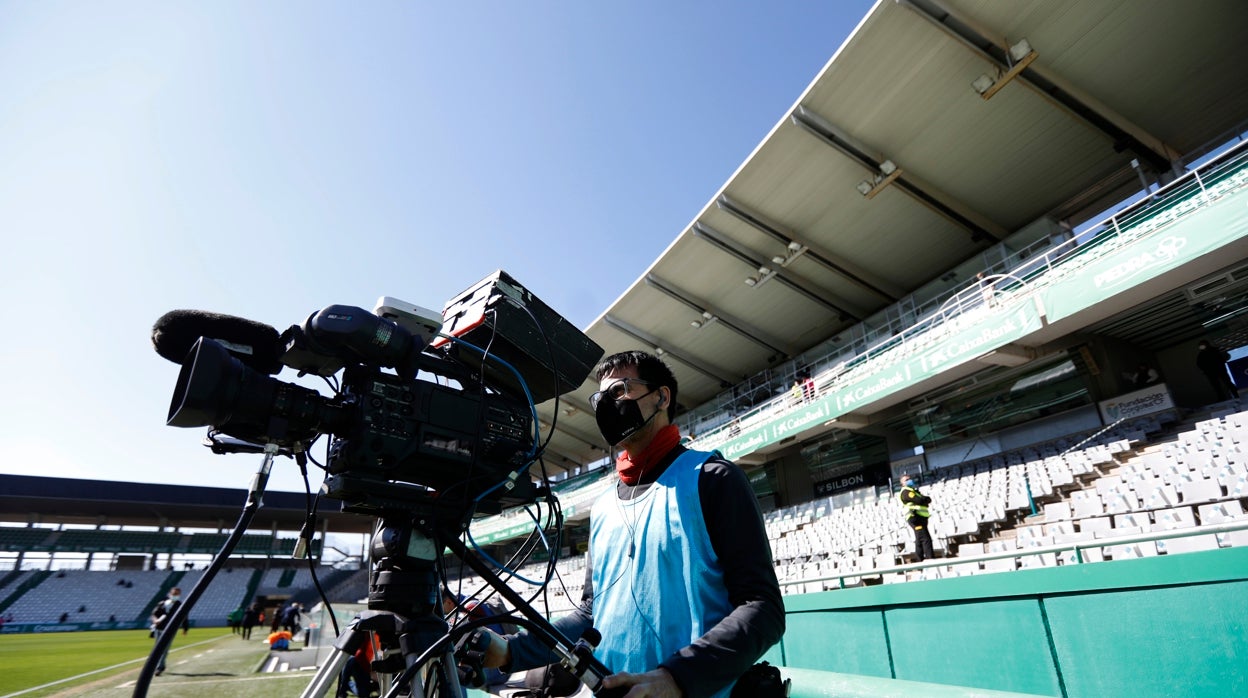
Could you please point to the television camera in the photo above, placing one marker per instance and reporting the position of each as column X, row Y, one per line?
column 434, row 422
column 466, row 437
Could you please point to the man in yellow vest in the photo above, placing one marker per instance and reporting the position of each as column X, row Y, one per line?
column 917, row 516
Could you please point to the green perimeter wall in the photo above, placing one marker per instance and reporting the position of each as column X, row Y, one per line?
column 1163, row 626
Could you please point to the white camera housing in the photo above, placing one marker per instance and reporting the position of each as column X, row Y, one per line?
column 423, row 322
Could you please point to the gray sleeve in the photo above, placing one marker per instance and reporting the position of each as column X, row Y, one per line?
column 528, row 651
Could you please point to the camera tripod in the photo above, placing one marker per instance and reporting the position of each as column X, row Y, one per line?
column 403, row 601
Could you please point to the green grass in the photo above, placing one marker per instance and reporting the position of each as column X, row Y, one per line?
column 30, row 660
column 208, row 662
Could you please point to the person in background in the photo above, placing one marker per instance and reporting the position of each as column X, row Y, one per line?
column 253, row 616
column 679, row 577
column 161, row 615
column 917, row 516
column 795, row 393
column 357, row 677
column 1211, row 360
column 292, row 617
column 280, row 640
column 986, row 289
column 1142, row 377
column 235, row 620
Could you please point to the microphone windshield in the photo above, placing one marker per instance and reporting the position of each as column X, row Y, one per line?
column 254, row 343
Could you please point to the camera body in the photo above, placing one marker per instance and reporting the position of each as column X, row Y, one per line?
column 424, row 433
column 400, row 441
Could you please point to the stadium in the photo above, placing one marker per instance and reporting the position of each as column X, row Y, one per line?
column 982, row 247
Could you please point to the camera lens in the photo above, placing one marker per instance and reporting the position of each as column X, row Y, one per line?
column 216, row 389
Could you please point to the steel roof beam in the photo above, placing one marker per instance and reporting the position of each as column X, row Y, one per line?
column 1122, row 140
column 762, row 226
column 819, row 128
column 662, row 350
column 751, row 333
column 705, row 232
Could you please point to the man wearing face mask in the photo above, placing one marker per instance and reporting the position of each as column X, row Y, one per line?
column 679, row 578
column 161, row 615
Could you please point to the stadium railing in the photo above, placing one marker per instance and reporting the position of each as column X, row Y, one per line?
column 1041, row 265
column 1077, row 549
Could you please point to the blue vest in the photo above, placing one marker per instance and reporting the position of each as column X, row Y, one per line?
column 658, row 585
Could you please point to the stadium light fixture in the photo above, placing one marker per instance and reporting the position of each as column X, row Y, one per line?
column 794, row 250
column 707, row 318
column 1020, row 50
column 983, row 83
column 888, row 172
column 1019, row 55
column 764, row 275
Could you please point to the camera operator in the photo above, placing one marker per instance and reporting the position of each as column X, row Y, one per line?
column 679, row 576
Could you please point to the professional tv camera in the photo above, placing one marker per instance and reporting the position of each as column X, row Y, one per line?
column 454, row 420
column 434, row 422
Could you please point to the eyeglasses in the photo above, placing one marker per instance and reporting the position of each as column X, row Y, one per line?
column 617, row 391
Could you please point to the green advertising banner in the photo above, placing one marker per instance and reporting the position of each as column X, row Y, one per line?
column 1197, row 234
column 1201, row 231
column 14, row 628
column 991, row 332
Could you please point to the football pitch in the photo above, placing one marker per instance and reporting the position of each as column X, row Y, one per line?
column 205, row 662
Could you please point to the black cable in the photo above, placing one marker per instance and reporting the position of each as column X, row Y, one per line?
column 554, row 370
column 254, row 497
column 307, row 535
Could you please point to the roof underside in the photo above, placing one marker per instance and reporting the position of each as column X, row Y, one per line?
column 1111, row 82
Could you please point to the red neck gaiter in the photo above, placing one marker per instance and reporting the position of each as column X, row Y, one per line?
column 631, row 469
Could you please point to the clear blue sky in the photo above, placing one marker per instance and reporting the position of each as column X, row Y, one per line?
column 269, row 159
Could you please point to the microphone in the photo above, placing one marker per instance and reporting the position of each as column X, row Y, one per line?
column 254, row 343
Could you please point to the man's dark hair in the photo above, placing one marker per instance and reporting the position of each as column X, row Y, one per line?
column 650, row 369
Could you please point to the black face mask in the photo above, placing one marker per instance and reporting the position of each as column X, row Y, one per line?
column 620, row 419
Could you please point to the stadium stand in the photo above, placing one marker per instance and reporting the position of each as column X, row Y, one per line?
column 1154, row 474
column 229, row 590
column 1051, row 244
column 127, row 595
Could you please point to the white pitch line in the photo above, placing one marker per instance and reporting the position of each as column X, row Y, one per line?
column 96, row 671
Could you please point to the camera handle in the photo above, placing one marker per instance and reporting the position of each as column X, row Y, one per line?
column 576, row 657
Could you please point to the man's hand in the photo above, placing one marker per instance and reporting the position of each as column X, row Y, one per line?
column 652, row 684
column 497, row 653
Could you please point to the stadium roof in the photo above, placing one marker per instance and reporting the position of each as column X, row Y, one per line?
column 1092, row 91
column 28, row 499
column 1091, row 88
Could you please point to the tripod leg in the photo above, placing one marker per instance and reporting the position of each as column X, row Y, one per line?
column 442, row 677
column 344, row 647
column 326, row 675
column 438, row 678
